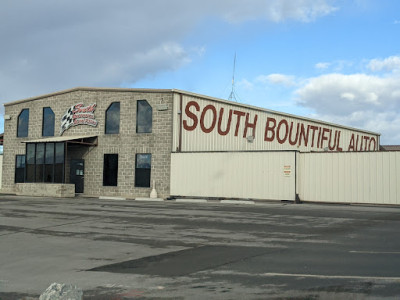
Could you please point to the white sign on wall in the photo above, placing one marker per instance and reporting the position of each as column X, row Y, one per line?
column 78, row 114
column 223, row 126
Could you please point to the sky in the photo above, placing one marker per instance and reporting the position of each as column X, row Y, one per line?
column 336, row 61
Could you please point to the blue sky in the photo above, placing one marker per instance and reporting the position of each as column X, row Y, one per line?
column 337, row 61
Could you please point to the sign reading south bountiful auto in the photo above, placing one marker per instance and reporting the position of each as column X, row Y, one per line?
column 227, row 127
column 78, row 114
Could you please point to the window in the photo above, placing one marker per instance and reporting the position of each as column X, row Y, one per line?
column 23, row 123
column 19, row 168
column 49, row 163
column 45, row 162
column 39, row 162
column 142, row 170
column 144, row 117
column 112, row 118
column 48, row 122
column 110, row 170
column 30, row 162
column 59, row 163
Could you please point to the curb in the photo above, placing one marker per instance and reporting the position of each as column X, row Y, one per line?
column 237, row 201
column 111, row 198
column 191, row 200
column 180, row 200
column 149, row 199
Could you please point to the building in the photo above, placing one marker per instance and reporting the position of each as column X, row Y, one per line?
column 390, row 148
column 119, row 142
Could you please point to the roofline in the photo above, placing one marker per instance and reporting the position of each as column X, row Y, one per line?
column 201, row 96
column 90, row 89
column 272, row 111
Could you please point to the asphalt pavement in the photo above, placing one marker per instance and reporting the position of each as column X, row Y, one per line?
column 174, row 250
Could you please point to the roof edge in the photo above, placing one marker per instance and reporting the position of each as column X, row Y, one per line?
column 150, row 90
column 279, row 113
column 90, row 89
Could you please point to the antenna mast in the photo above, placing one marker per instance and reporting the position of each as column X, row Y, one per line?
column 232, row 96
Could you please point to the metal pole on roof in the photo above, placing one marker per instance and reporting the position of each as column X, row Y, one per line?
column 232, row 96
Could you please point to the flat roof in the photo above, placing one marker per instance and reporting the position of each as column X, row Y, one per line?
column 200, row 96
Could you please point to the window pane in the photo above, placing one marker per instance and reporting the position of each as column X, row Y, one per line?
column 144, row 117
column 112, row 118
column 50, row 153
column 20, row 161
column 30, row 153
column 143, row 170
column 59, row 153
column 48, row 173
column 39, row 173
column 59, row 173
column 23, row 123
column 19, row 168
column 40, row 153
column 48, row 122
column 110, row 170
column 143, row 161
column 30, row 173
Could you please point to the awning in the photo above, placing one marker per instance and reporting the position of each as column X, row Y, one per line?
column 74, row 139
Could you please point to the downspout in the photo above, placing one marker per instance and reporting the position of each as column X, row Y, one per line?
column 180, row 122
column 297, row 197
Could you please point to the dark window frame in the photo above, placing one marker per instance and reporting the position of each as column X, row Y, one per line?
column 140, row 122
column 143, row 172
column 108, row 126
column 48, row 127
column 32, row 167
column 19, row 170
column 110, row 170
column 21, row 126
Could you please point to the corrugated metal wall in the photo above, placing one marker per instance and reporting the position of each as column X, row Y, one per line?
column 370, row 177
column 207, row 125
column 1, row 169
column 367, row 177
column 255, row 175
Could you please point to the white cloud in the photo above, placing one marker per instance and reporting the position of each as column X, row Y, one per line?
column 357, row 100
column 348, row 96
column 391, row 63
column 52, row 45
column 322, row 65
column 245, row 84
column 278, row 79
column 335, row 66
column 277, row 10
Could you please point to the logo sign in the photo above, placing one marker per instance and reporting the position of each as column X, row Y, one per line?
column 287, row 170
column 78, row 114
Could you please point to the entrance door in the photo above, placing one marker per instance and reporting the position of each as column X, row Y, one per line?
column 77, row 174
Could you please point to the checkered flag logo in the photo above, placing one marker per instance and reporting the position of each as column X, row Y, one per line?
column 67, row 120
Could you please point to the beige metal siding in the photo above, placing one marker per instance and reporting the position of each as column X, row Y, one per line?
column 202, row 124
column 1, row 168
column 255, row 175
column 372, row 177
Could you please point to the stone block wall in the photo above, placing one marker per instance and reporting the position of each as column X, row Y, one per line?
column 45, row 190
column 126, row 144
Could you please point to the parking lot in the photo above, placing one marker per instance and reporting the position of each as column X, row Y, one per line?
column 168, row 250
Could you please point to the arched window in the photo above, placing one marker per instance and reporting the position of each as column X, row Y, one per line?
column 23, row 123
column 144, row 117
column 48, row 122
column 112, row 118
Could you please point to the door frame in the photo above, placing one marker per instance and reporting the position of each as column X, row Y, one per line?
column 78, row 180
